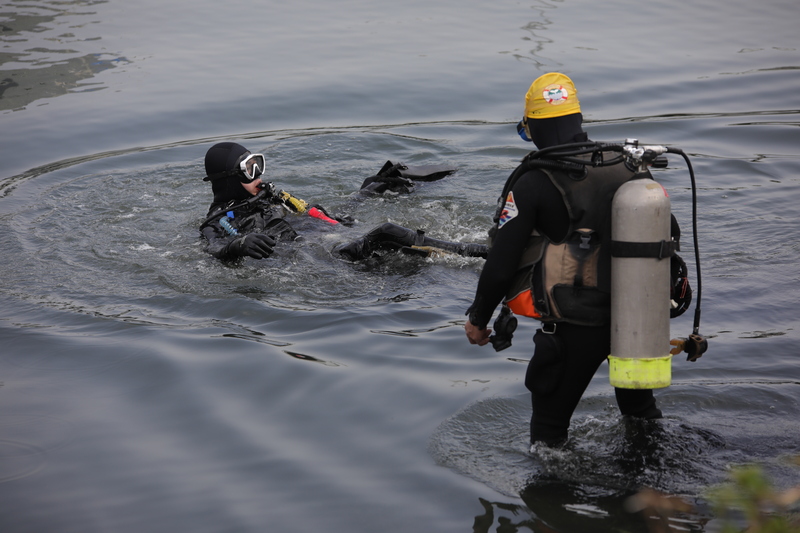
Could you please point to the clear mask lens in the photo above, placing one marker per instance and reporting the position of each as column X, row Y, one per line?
column 252, row 166
column 523, row 131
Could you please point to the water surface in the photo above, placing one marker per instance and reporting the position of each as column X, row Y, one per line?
column 146, row 386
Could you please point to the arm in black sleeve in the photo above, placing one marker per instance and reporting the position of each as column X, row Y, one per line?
column 218, row 241
column 225, row 246
column 507, row 247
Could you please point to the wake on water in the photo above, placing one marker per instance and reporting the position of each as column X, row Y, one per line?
column 489, row 441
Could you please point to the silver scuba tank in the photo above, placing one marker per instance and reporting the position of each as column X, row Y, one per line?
column 640, row 276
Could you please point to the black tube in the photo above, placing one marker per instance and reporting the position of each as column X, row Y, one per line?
column 222, row 210
column 694, row 234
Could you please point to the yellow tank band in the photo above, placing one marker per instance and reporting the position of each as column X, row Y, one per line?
column 640, row 373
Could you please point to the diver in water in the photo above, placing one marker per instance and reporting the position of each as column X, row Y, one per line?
column 548, row 211
column 248, row 216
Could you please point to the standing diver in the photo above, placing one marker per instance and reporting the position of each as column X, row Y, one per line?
column 552, row 231
column 247, row 216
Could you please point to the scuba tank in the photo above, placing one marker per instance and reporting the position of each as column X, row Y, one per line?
column 640, row 279
column 641, row 249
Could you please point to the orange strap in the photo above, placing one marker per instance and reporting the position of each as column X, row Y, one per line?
column 522, row 304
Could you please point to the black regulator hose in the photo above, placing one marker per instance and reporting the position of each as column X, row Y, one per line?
column 571, row 149
column 569, row 153
column 262, row 193
column 680, row 152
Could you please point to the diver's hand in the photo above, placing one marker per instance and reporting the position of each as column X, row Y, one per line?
column 476, row 335
column 255, row 245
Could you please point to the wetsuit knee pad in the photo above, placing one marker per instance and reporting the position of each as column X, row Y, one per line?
column 546, row 369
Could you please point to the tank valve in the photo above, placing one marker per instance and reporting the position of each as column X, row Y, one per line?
column 639, row 156
column 695, row 346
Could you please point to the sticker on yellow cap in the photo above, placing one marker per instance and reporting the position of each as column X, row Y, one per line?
column 555, row 94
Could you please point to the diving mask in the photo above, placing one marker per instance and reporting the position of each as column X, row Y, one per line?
column 251, row 167
column 523, row 130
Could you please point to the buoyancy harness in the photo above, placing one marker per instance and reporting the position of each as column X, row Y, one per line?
column 569, row 281
column 519, row 297
column 572, row 281
column 259, row 214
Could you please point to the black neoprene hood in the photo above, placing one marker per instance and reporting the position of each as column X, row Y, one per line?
column 220, row 159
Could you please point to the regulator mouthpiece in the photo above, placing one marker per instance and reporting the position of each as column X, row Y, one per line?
column 269, row 192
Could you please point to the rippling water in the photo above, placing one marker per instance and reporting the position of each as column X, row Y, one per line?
column 144, row 386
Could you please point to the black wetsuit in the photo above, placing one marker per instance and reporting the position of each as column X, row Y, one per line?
column 564, row 362
column 390, row 236
column 265, row 217
column 239, row 224
column 259, row 215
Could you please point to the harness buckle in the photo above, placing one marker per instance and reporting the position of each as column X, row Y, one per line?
column 549, row 328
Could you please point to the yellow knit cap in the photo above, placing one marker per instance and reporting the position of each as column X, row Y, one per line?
column 551, row 95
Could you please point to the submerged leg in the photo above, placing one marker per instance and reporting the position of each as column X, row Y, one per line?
column 390, row 236
column 558, row 374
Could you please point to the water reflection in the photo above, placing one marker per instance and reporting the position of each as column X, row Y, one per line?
column 556, row 507
column 586, row 485
column 539, row 42
column 45, row 60
column 505, row 523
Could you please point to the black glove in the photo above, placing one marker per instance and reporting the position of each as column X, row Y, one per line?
column 388, row 178
column 256, row 245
